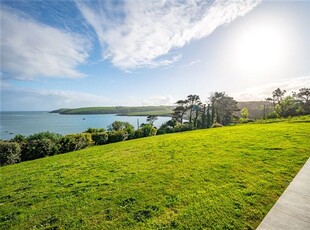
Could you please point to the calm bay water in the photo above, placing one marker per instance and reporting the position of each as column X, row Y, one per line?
column 27, row 123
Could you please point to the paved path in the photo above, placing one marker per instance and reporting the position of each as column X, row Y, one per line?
column 292, row 210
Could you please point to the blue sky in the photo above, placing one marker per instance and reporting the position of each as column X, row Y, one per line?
column 100, row 53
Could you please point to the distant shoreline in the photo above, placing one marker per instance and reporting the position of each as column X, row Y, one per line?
column 163, row 111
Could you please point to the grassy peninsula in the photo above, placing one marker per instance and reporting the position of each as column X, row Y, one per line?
column 120, row 110
column 221, row 178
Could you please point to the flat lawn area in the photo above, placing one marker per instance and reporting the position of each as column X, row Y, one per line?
column 223, row 178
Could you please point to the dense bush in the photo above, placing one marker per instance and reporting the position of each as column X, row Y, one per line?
column 94, row 130
column 39, row 145
column 55, row 137
column 272, row 115
column 74, row 142
column 148, row 130
column 45, row 144
column 19, row 138
column 39, row 148
column 244, row 120
column 166, row 127
column 216, row 125
column 9, row 153
column 177, row 127
column 116, row 136
column 99, row 138
column 138, row 133
column 183, row 127
column 123, row 126
column 68, row 144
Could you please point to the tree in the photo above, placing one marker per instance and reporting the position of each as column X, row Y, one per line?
column 151, row 119
column 212, row 111
column 180, row 110
column 276, row 100
column 148, row 130
column 9, row 153
column 223, row 107
column 209, row 118
column 291, row 107
column 116, row 126
column 197, row 109
column 123, row 126
column 172, row 123
column 194, row 103
column 245, row 113
column 204, row 117
column 120, row 126
column 303, row 97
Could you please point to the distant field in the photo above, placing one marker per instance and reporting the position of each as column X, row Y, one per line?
column 121, row 110
column 223, row 178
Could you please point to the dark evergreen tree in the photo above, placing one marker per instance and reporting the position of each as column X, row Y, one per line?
column 209, row 118
column 223, row 107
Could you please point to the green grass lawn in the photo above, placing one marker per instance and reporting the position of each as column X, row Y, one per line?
column 223, row 178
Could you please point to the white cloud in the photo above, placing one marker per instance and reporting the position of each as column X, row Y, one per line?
column 30, row 49
column 20, row 99
column 26, row 99
column 139, row 33
column 190, row 63
column 159, row 100
column 260, row 93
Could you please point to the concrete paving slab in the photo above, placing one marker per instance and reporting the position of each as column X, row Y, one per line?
column 292, row 210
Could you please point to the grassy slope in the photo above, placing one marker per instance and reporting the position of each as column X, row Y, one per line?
column 217, row 178
column 121, row 110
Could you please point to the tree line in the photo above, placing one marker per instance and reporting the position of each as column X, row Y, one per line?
column 189, row 114
column 219, row 109
column 298, row 103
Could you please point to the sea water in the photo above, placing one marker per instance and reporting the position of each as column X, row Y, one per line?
column 26, row 123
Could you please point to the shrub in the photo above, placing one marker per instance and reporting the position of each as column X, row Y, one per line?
column 55, row 137
column 68, row 144
column 39, row 148
column 123, row 126
column 165, row 128
column 216, row 125
column 39, row 145
column 153, row 131
column 9, row 153
column 99, row 138
column 130, row 131
column 272, row 115
column 148, row 130
column 183, row 127
column 116, row 136
column 161, row 131
column 19, row 138
column 74, row 142
column 138, row 133
column 244, row 120
column 94, row 130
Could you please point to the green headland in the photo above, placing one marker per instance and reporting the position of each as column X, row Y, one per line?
column 120, row 110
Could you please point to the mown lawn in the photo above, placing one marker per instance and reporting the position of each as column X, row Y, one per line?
column 223, row 178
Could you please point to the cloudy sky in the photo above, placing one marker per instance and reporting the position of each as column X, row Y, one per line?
column 99, row 53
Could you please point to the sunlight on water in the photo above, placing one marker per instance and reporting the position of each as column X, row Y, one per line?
column 27, row 123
